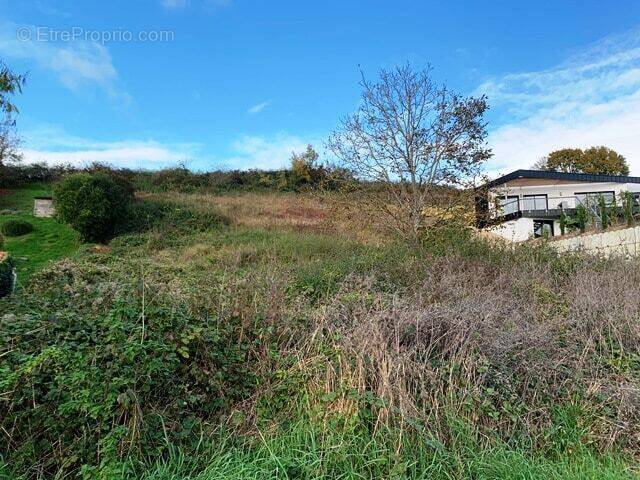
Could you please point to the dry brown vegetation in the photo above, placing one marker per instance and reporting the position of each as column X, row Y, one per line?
column 459, row 343
column 508, row 346
column 331, row 213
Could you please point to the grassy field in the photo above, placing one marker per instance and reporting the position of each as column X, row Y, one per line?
column 289, row 343
column 329, row 214
column 302, row 452
column 49, row 240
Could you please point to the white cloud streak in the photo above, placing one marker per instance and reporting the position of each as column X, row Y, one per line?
column 144, row 155
column 591, row 99
column 266, row 153
column 76, row 64
column 53, row 146
column 257, row 108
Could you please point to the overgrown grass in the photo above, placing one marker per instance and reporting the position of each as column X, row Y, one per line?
column 300, row 451
column 50, row 240
column 21, row 199
column 328, row 213
column 198, row 349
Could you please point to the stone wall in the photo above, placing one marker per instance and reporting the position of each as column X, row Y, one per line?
column 623, row 242
column 43, row 207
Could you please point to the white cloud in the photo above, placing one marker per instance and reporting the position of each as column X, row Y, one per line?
column 591, row 99
column 145, row 155
column 75, row 63
column 266, row 153
column 54, row 147
column 257, row 108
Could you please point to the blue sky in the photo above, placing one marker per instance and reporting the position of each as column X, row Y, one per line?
column 240, row 84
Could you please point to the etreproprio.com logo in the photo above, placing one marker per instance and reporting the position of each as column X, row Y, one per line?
column 73, row 34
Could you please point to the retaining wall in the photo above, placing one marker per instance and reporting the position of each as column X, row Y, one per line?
column 624, row 242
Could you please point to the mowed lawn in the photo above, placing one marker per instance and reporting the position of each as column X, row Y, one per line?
column 50, row 240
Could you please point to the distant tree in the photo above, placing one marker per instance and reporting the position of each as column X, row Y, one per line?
column 540, row 164
column 303, row 165
column 597, row 160
column 410, row 139
column 605, row 161
column 568, row 160
column 9, row 147
column 10, row 83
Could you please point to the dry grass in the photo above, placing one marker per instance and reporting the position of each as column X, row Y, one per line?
column 310, row 213
column 363, row 337
column 502, row 347
column 500, row 338
column 258, row 210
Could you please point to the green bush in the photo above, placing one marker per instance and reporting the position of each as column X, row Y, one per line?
column 113, row 380
column 146, row 215
column 96, row 205
column 16, row 228
column 6, row 277
column 582, row 217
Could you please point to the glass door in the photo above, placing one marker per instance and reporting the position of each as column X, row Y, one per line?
column 542, row 228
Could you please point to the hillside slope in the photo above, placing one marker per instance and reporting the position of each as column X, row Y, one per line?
column 237, row 351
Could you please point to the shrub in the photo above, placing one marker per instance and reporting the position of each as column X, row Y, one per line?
column 604, row 213
column 12, row 176
column 628, row 201
column 582, row 217
column 107, row 384
column 95, row 205
column 6, row 276
column 16, row 228
column 150, row 214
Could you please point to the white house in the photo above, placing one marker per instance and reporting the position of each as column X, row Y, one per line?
column 528, row 203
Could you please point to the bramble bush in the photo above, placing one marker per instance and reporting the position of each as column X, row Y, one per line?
column 113, row 368
column 6, row 276
column 94, row 205
column 145, row 215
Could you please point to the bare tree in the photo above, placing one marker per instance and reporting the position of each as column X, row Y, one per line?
column 10, row 84
column 9, row 147
column 418, row 144
column 540, row 164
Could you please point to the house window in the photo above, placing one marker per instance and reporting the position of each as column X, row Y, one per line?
column 593, row 198
column 534, row 202
column 508, row 204
column 542, row 228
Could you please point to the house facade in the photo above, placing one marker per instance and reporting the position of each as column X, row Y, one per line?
column 529, row 203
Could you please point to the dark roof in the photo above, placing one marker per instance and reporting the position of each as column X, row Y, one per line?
column 41, row 197
column 579, row 177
